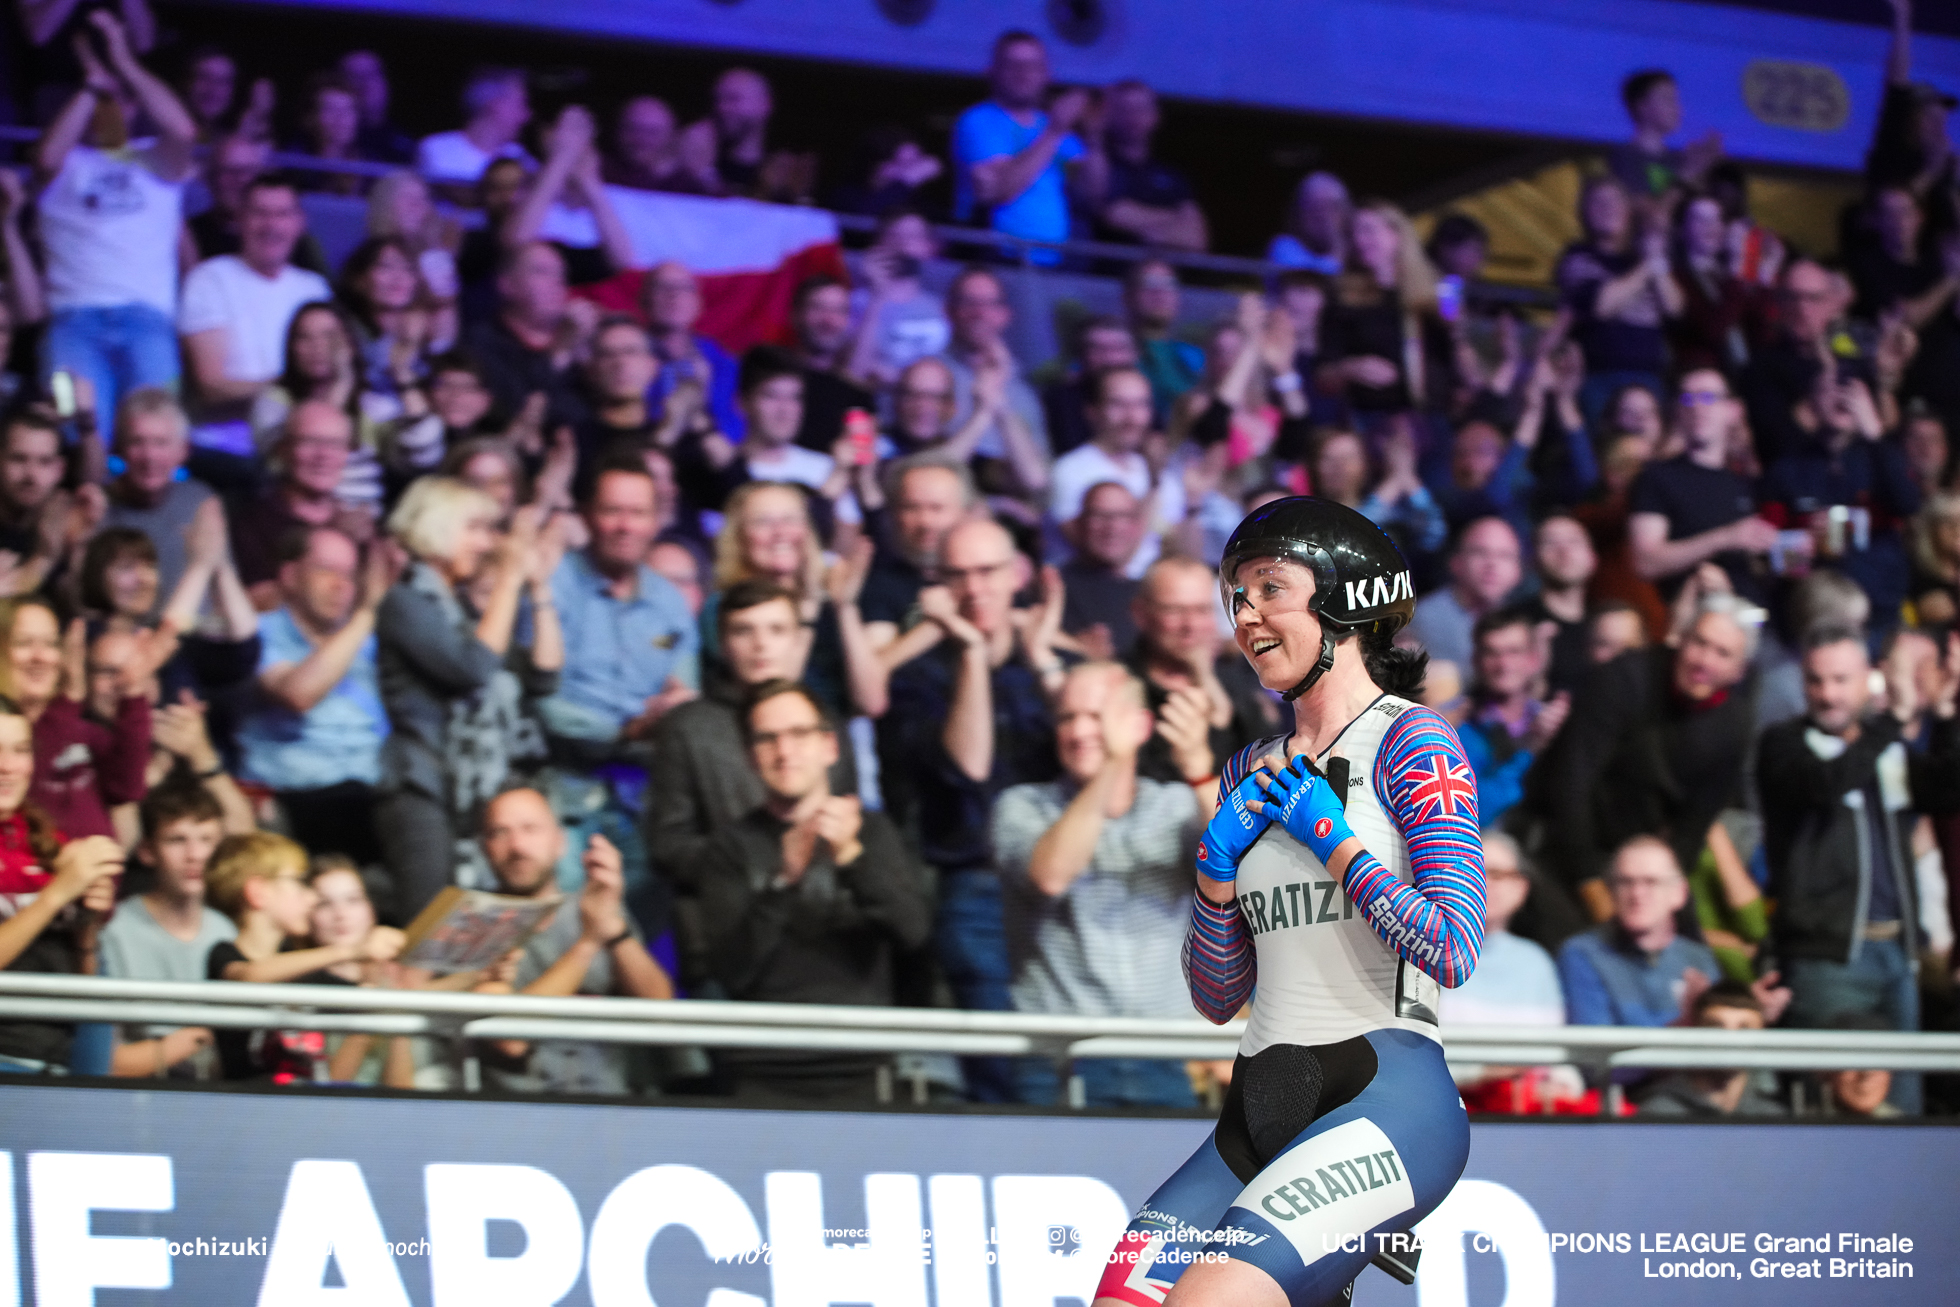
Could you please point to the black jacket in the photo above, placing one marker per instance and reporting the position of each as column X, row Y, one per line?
column 828, row 938
column 700, row 780
column 836, row 936
column 1635, row 759
column 1819, row 843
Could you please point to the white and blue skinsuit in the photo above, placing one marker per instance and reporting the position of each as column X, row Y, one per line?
column 1342, row 1123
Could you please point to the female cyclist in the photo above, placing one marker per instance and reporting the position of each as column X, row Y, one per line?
column 1343, row 875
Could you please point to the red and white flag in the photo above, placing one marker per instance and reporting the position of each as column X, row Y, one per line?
column 749, row 257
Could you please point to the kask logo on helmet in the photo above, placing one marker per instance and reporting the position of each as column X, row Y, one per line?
column 1386, row 590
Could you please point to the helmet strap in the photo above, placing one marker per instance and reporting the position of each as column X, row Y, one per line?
column 1320, row 668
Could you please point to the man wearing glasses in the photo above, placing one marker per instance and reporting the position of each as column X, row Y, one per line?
column 1693, row 509
column 805, row 899
column 967, row 719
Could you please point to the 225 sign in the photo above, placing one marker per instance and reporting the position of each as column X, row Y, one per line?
column 1806, row 97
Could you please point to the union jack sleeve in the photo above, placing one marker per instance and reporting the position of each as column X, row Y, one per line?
column 1429, row 790
column 1219, row 964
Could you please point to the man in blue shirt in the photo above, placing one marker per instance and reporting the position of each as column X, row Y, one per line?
column 1010, row 157
column 313, row 733
column 632, row 650
column 1637, row 970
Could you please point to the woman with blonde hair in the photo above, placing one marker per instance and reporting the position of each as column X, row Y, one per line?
column 767, row 534
column 455, row 673
column 1383, row 344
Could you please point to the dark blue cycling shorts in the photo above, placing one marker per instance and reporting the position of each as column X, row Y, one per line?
column 1387, row 1141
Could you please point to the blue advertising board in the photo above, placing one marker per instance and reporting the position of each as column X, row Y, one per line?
column 137, row 1196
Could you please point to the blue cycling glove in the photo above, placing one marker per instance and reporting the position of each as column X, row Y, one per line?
column 1304, row 803
column 1232, row 830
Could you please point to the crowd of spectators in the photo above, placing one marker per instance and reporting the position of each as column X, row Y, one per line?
column 880, row 666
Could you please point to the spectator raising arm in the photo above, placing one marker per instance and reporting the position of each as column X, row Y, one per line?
column 968, row 736
column 43, row 18
column 302, row 685
column 547, row 651
column 176, row 132
column 210, row 573
column 993, row 369
column 870, row 677
column 1066, row 849
column 614, row 238
column 27, row 299
column 513, row 564
column 179, row 729
column 571, row 164
column 1898, row 57
column 65, row 132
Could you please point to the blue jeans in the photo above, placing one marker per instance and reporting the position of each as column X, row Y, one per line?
column 1110, row 1082
column 1881, row 981
column 118, row 349
column 972, row 940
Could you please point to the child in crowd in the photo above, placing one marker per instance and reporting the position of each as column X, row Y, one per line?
column 167, row 932
column 259, row 881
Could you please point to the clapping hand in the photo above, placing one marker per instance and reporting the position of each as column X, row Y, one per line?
column 1068, row 109
column 1545, row 727
column 936, row 604
column 844, row 582
column 1184, row 722
column 179, row 729
column 837, row 823
column 85, row 870
column 600, row 903
column 1040, row 626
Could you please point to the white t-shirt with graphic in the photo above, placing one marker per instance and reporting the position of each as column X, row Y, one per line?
column 109, row 226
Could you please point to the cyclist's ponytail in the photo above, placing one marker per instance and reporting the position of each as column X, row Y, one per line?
column 1400, row 672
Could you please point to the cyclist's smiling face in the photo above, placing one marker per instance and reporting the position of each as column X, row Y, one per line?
column 1271, row 622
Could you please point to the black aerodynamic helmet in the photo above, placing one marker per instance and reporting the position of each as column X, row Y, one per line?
column 1360, row 577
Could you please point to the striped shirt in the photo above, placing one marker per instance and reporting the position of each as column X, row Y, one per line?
column 1407, row 916
column 1107, row 945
